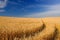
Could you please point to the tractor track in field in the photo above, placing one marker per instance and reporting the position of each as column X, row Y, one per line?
column 51, row 36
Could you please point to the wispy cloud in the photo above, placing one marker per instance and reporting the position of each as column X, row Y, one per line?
column 52, row 10
column 3, row 3
column 15, row 3
column 2, row 11
column 39, row 0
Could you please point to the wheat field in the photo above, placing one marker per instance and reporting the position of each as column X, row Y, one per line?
column 14, row 28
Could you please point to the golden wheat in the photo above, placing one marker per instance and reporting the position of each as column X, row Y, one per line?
column 56, row 21
column 13, row 28
column 9, row 29
column 46, row 34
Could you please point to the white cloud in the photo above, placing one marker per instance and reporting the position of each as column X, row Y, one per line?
column 3, row 3
column 52, row 10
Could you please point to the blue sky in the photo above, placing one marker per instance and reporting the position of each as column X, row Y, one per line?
column 30, row 8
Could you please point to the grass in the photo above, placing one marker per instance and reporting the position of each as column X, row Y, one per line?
column 12, row 28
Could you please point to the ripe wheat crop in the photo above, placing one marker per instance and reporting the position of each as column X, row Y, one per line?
column 14, row 28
